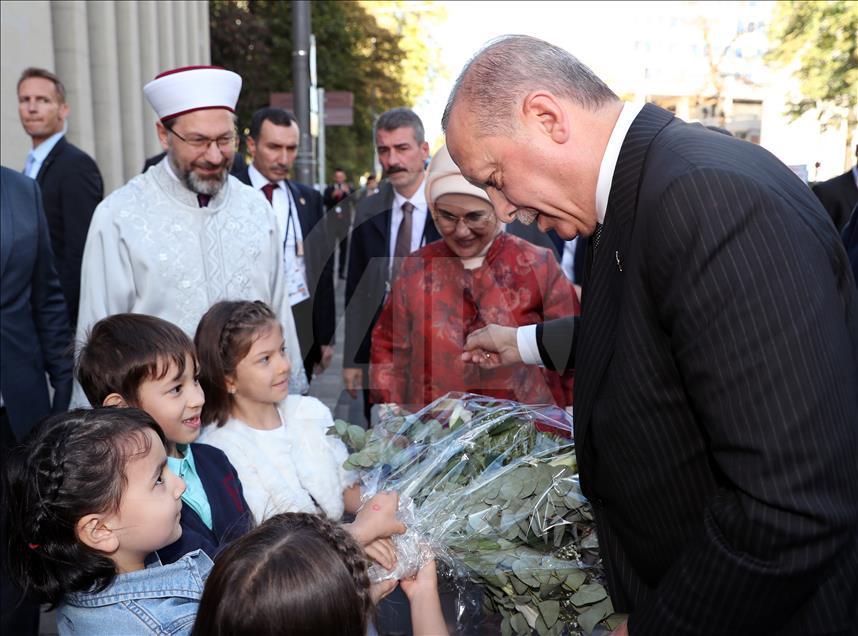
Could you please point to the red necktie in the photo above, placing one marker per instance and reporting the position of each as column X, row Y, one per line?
column 268, row 191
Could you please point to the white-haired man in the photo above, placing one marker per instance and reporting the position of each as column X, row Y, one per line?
column 185, row 234
column 716, row 357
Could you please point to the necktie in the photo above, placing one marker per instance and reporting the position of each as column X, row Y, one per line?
column 268, row 191
column 31, row 159
column 403, row 236
column 203, row 200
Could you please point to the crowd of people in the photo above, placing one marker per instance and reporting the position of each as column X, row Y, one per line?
column 681, row 288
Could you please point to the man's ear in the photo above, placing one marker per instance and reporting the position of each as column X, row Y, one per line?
column 425, row 148
column 544, row 111
column 93, row 532
column 64, row 112
column 162, row 134
column 114, row 399
column 251, row 146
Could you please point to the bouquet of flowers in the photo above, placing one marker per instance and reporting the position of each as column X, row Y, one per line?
column 490, row 487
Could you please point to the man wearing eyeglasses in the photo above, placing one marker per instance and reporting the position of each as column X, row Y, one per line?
column 185, row 234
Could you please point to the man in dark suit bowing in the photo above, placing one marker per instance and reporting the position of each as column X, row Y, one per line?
column 70, row 181
column 308, row 252
column 388, row 226
column 716, row 357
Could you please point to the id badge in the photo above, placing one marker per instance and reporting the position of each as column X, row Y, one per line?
column 296, row 283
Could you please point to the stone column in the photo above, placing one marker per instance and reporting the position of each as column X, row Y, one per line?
column 130, row 93
column 181, row 34
column 205, row 43
column 71, row 48
column 104, row 67
column 166, row 48
column 150, row 66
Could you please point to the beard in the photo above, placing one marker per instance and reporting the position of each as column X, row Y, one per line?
column 197, row 184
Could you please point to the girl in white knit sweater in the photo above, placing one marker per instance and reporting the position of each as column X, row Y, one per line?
column 278, row 443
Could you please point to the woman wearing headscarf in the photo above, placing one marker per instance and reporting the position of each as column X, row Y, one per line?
column 476, row 275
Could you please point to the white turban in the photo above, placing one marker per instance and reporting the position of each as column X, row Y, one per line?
column 184, row 90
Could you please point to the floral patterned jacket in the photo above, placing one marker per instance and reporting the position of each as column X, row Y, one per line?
column 435, row 303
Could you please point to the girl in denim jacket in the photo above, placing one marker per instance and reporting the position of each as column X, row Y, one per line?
column 89, row 498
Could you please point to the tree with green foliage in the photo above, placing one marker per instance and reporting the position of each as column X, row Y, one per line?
column 821, row 39
column 353, row 53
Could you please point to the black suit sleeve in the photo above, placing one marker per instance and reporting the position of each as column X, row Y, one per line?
column 357, row 337
column 81, row 190
column 49, row 314
column 556, row 341
column 324, row 310
column 755, row 304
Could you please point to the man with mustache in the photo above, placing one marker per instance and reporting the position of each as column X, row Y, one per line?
column 716, row 355
column 308, row 249
column 388, row 226
column 185, row 234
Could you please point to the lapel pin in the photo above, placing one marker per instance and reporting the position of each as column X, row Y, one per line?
column 619, row 263
column 302, row 201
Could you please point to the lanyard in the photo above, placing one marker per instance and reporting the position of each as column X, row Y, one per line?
column 299, row 247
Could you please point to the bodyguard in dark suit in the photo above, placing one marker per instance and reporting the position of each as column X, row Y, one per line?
column 388, row 226
column 273, row 145
column 70, row 181
column 839, row 195
column 716, row 357
column 34, row 338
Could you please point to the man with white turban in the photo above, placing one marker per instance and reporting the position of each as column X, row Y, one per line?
column 185, row 234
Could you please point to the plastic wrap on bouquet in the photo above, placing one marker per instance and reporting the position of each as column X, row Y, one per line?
column 490, row 487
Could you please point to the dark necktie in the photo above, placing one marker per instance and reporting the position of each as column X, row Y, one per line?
column 203, row 200
column 403, row 236
column 268, row 191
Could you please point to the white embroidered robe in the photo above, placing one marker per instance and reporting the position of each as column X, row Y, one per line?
column 152, row 250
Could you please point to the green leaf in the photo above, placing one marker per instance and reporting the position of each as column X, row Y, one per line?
column 519, row 624
column 589, row 619
column 588, row 594
column 506, row 627
column 574, row 580
column 550, row 611
column 341, row 426
column 357, row 437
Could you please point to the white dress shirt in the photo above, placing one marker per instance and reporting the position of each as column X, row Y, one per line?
column 526, row 336
column 284, row 204
column 36, row 157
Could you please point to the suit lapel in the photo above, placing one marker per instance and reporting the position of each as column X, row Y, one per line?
column 7, row 235
column 52, row 155
column 301, row 206
column 382, row 218
column 603, row 298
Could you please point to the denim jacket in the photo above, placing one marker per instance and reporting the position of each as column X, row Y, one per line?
column 162, row 599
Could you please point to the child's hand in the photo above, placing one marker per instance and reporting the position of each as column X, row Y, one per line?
column 383, row 552
column 377, row 519
column 422, row 592
column 424, row 584
column 378, row 591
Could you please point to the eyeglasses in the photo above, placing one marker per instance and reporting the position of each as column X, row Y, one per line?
column 202, row 143
column 474, row 220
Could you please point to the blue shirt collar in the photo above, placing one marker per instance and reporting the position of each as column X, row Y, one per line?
column 41, row 152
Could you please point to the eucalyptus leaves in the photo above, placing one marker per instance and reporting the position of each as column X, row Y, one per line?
column 493, row 489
